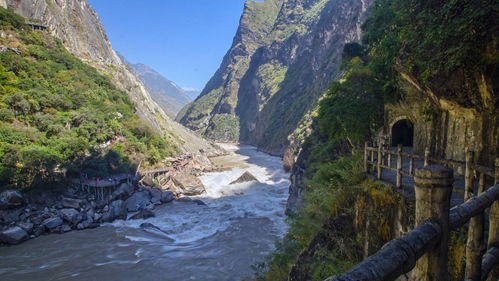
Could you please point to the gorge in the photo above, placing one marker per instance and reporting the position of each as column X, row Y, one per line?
column 303, row 158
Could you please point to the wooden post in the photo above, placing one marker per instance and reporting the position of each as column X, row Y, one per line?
column 475, row 243
column 366, row 157
column 411, row 166
column 494, row 226
column 427, row 157
column 433, row 192
column 380, row 161
column 399, row 166
column 468, row 175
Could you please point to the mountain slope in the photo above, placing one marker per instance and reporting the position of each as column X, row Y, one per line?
column 213, row 112
column 267, row 92
column 77, row 25
column 59, row 114
column 163, row 91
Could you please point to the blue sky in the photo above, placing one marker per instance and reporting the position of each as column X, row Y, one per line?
column 185, row 40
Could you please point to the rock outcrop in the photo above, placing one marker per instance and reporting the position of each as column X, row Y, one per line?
column 246, row 177
column 271, row 77
column 138, row 201
column 78, row 26
column 10, row 199
column 143, row 215
column 14, row 235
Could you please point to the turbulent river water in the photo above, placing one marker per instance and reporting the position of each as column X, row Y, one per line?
column 220, row 241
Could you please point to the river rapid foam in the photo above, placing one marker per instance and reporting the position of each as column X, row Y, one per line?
column 220, row 241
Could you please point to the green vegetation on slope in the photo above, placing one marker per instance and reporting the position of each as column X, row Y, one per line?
column 220, row 96
column 272, row 75
column 443, row 44
column 429, row 40
column 57, row 114
column 334, row 176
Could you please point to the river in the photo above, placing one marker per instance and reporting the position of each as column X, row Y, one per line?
column 220, row 241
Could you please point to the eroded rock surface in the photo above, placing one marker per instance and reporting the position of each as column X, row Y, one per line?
column 246, row 177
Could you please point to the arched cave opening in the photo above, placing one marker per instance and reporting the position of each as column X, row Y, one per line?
column 403, row 133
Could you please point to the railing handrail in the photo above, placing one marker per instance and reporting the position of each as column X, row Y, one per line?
column 446, row 162
column 399, row 256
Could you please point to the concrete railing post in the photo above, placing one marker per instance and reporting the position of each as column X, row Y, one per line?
column 433, row 192
column 494, row 225
column 427, row 156
column 380, row 161
column 468, row 175
column 399, row 166
column 475, row 242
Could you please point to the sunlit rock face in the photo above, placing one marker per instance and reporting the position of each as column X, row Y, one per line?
column 271, row 77
column 79, row 28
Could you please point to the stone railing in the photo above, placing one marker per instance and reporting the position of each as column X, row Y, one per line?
column 380, row 158
column 424, row 250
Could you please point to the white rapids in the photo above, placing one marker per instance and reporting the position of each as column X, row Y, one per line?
column 220, row 241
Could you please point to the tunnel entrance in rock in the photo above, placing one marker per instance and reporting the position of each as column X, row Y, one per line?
column 403, row 133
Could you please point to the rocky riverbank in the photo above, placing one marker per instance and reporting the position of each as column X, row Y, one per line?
column 21, row 218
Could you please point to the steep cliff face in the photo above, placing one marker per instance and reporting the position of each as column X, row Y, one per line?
column 297, row 60
column 214, row 111
column 78, row 26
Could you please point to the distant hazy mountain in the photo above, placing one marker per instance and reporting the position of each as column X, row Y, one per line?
column 193, row 93
column 167, row 94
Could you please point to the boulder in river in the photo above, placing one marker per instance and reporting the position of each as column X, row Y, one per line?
column 27, row 226
column 246, row 177
column 155, row 196
column 187, row 184
column 152, row 229
column 199, row 202
column 117, row 210
column 70, row 203
column 137, row 201
column 13, row 235
column 159, row 196
column 65, row 228
column 10, row 216
column 52, row 223
column 10, row 199
column 167, row 196
column 142, row 215
column 97, row 216
column 186, row 199
column 123, row 191
column 71, row 215
column 86, row 223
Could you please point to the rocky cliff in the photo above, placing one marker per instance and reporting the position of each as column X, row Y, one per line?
column 78, row 26
column 214, row 111
column 272, row 76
